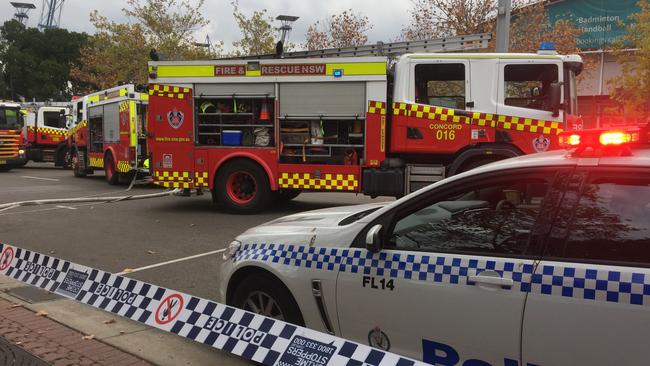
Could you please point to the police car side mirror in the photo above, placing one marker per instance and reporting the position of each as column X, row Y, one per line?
column 373, row 239
column 554, row 94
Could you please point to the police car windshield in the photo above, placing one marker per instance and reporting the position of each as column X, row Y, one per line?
column 10, row 119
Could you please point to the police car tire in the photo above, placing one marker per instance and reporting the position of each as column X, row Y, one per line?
column 275, row 289
column 263, row 194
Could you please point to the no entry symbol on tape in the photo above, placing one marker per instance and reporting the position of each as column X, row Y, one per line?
column 6, row 258
column 169, row 309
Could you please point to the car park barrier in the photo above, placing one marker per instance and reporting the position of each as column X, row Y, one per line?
column 251, row 336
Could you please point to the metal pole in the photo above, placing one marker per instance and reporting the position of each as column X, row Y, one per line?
column 503, row 25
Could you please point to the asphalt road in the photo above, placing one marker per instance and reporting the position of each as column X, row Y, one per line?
column 132, row 234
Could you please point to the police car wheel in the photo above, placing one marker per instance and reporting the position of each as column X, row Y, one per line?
column 263, row 295
column 241, row 186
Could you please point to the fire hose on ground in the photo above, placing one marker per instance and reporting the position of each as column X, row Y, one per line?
column 8, row 206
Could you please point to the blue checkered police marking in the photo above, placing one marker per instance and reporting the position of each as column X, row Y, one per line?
column 559, row 279
column 233, row 330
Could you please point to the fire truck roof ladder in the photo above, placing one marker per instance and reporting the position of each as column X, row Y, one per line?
column 448, row 44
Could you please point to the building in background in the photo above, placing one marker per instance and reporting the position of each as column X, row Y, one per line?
column 602, row 22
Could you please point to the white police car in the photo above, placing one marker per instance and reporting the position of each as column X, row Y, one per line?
column 538, row 260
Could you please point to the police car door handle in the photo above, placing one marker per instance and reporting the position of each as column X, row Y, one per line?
column 492, row 280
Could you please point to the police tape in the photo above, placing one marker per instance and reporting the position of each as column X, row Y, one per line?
column 251, row 336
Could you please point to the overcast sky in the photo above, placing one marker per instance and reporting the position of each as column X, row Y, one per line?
column 387, row 16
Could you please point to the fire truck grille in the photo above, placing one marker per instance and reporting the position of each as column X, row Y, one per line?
column 9, row 144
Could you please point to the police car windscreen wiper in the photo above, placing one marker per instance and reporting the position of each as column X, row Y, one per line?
column 357, row 216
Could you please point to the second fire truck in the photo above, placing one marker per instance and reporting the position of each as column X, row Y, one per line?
column 253, row 130
column 110, row 133
column 45, row 131
column 12, row 153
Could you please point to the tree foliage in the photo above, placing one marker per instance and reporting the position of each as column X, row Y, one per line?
column 346, row 29
column 531, row 26
column 119, row 52
column 441, row 18
column 37, row 64
column 632, row 88
column 258, row 34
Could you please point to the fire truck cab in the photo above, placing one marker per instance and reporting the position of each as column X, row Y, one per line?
column 46, row 128
column 109, row 133
column 254, row 130
column 12, row 151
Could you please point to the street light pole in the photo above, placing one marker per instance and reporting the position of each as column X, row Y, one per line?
column 503, row 25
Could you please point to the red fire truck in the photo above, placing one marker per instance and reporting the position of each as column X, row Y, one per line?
column 12, row 151
column 46, row 129
column 251, row 130
column 110, row 133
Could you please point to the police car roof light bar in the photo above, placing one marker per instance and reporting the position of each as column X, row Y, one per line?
column 604, row 141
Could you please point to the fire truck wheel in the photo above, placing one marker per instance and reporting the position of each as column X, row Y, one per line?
column 287, row 194
column 5, row 168
column 112, row 176
column 478, row 162
column 241, row 186
column 77, row 170
column 63, row 158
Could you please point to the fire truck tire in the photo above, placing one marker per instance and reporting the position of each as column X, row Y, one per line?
column 5, row 168
column 63, row 158
column 77, row 170
column 112, row 175
column 241, row 186
column 287, row 194
column 478, row 162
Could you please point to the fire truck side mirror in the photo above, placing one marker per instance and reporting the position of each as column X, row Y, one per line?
column 555, row 101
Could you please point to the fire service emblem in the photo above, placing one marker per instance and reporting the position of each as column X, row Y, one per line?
column 175, row 118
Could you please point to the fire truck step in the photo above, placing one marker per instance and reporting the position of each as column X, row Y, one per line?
column 420, row 176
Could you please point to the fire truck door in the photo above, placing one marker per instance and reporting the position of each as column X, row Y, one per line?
column 125, row 132
column 524, row 88
column 442, row 91
column 171, row 135
column 50, row 126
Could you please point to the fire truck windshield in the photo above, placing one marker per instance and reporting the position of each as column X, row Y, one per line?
column 10, row 119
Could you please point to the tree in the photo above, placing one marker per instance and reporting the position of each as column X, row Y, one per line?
column 257, row 33
column 346, row 29
column 119, row 52
column 37, row 64
column 531, row 26
column 441, row 18
column 632, row 88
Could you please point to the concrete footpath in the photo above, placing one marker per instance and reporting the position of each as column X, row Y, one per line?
column 59, row 331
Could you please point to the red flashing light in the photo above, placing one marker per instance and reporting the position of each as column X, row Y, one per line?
column 599, row 141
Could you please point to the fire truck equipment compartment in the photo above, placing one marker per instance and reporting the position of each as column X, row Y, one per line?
column 232, row 137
